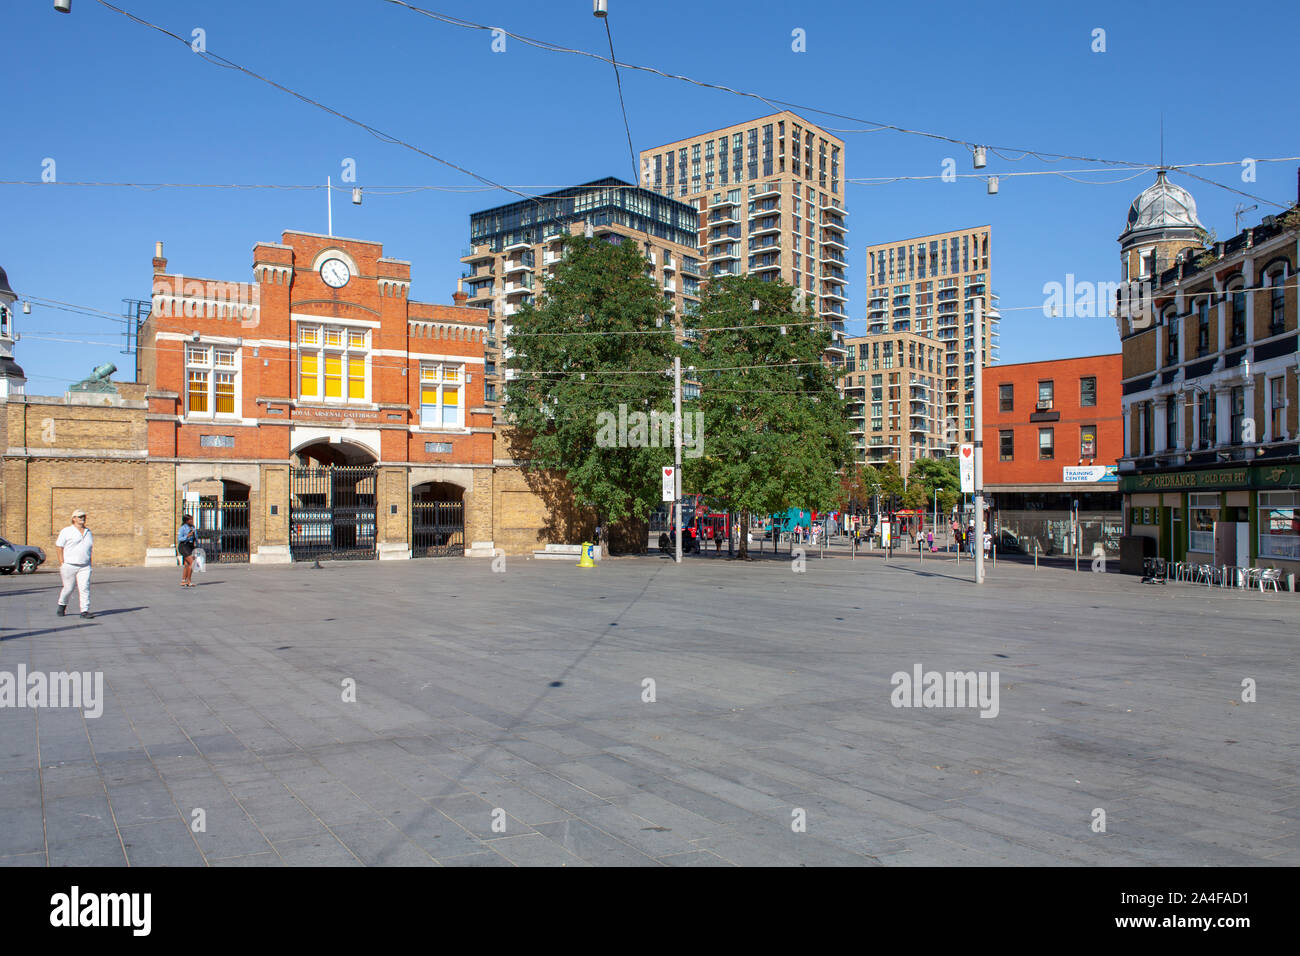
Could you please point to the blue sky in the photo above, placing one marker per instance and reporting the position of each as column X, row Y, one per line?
column 110, row 100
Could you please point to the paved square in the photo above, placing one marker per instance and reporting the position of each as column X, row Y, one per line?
column 499, row 718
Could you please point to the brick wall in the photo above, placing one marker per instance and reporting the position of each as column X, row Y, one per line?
column 1067, row 418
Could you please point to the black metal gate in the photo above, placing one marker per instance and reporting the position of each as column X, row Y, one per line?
column 222, row 530
column 437, row 528
column 332, row 512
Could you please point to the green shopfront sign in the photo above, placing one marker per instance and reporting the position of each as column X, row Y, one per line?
column 1214, row 479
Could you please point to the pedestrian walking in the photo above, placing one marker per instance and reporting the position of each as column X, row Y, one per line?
column 75, row 543
column 929, row 539
column 988, row 543
column 187, row 538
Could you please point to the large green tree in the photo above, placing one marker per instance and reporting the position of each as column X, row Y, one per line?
column 590, row 357
column 775, row 429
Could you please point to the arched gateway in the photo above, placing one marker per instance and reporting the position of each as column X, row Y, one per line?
column 437, row 520
column 332, row 502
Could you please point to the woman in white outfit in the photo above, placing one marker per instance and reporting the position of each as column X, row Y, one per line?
column 75, row 544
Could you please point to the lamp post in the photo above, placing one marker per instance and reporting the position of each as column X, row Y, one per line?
column 936, row 508
column 979, row 441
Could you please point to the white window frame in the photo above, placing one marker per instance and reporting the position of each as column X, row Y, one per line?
column 435, row 418
column 346, row 352
column 207, row 364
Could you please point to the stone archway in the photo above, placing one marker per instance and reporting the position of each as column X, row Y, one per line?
column 332, row 488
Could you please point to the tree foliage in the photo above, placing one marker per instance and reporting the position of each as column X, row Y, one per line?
column 775, row 428
column 598, row 318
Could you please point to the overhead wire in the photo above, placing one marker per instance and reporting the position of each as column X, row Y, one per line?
column 373, row 131
column 770, row 102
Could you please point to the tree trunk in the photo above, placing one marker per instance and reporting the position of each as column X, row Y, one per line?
column 743, row 533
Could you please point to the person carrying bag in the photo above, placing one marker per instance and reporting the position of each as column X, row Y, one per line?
column 187, row 539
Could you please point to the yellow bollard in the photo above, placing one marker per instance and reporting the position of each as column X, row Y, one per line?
column 585, row 561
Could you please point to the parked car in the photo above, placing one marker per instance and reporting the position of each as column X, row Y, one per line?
column 26, row 558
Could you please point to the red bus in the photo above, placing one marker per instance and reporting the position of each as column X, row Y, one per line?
column 701, row 523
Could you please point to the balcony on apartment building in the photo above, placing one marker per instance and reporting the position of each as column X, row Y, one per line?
column 833, row 221
column 523, row 284
column 521, row 262
column 726, row 215
column 723, row 251
column 764, row 190
column 833, row 239
column 765, row 225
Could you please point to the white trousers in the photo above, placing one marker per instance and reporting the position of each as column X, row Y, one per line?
column 78, row 576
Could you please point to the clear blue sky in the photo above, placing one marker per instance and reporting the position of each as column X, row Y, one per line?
column 110, row 100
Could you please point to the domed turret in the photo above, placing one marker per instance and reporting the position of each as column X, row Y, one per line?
column 1161, row 223
column 1162, row 205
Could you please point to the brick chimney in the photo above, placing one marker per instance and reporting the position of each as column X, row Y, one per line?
column 459, row 296
column 159, row 263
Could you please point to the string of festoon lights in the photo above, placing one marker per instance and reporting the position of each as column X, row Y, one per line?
column 399, row 190
column 979, row 151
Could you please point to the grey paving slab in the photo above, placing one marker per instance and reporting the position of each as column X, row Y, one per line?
column 535, row 850
column 482, row 858
column 694, row 858
column 323, row 851
column 160, row 844
column 526, row 698
column 99, row 850
column 381, row 844
column 593, row 845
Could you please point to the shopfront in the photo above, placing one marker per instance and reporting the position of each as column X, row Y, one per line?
column 1246, row 515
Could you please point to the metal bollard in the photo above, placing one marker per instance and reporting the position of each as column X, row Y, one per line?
column 1035, row 555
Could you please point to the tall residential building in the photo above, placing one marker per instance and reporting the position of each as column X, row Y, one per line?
column 929, row 285
column 895, row 394
column 513, row 245
column 769, row 198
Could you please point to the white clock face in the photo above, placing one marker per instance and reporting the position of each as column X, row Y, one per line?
column 335, row 273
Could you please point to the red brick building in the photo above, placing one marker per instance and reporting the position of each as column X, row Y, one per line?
column 317, row 407
column 1053, row 435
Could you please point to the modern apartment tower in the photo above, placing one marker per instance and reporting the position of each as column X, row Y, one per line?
column 929, row 286
column 513, row 245
column 769, row 199
column 896, row 398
